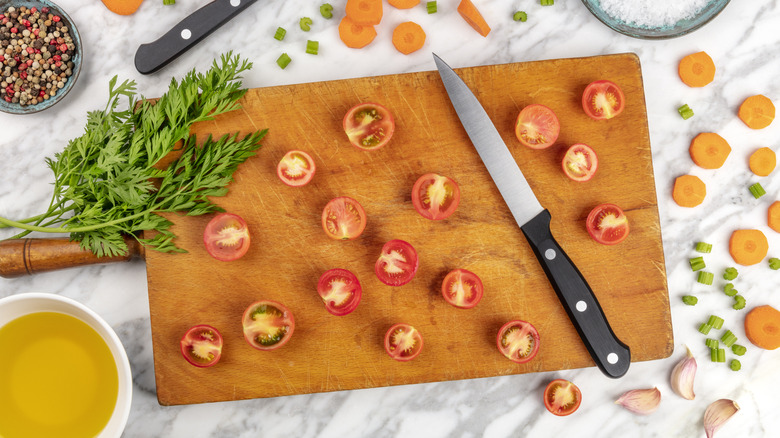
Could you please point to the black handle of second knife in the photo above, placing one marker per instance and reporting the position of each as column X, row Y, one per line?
column 155, row 55
column 611, row 356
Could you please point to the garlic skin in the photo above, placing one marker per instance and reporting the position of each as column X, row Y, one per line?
column 641, row 401
column 683, row 375
column 717, row 414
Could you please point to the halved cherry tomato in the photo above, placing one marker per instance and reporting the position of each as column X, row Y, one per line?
column 435, row 196
column 267, row 325
column 397, row 264
column 537, row 126
column 562, row 397
column 343, row 218
column 607, row 224
column 403, row 342
column 202, row 346
column 462, row 288
column 340, row 290
column 580, row 162
column 518, row 341
column 603, row 100
column 296, row 168
column 369, row 126
column 226, row 237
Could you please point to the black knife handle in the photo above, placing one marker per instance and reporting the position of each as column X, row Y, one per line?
column 155, row 55
column 611, row 356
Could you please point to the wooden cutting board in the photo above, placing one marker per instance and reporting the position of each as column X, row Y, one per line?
column 290, row 251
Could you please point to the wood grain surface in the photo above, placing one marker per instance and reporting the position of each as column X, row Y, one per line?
column 290, row 251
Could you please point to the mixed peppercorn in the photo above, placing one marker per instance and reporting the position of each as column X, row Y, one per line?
column 36, row 55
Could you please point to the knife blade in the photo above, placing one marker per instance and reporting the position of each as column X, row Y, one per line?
column 195, row 27
column 612, row 356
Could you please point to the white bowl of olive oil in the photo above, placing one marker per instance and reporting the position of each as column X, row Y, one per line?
column 63, row 373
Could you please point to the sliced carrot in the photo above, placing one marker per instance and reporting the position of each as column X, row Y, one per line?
column 696, row 69
column 763, row 161
column 773, row 216
column 365, row 12
column 709, row 150
column 123, row 7
column 472, row 16
column 355, row 35
column 408, row 37
column 748, row 247
column 403, row 4
column 762, row 327
column 757, row 111
column 689, row 191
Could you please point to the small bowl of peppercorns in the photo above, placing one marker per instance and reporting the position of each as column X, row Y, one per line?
column 40, row 55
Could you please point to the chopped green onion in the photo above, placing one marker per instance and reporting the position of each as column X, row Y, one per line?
column 305, row 24
column 739, row 302
column 326, row 10
column 520, row 16
column 739, row 350
column 714, row 354
column 690, row 300
column 280, row 33
column 774, row 263
column 730, row 274
column 757, row 190
column 729, row 290
column 705, row 277
column 735, row 365
column 721, row 355
column 703, row 247
column 432, row 7
column 697, row 263
column 685, row 112
column 712, row 343
column 169, row 2
column 547, row 2
column 705, row 329
column 283, row 61
column 715, row 321
column 728, row 338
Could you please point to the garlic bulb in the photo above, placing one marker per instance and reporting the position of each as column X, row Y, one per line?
column 717, row 414
column 683, row 375
column 641, row 401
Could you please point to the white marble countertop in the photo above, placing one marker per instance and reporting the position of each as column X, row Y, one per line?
column 744, row 41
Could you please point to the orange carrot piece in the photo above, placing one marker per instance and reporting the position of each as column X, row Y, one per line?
column 763, row 161
column 472, row 16
column 709, row 150
column 748, row 247
column 123, row 7
column 365, row 12
column 355, row 35
column 689, row 191
column 403, row 4
column 762, row 327
column 773, row 216
column 696, row 69
column 757, row 111
column 408, row 37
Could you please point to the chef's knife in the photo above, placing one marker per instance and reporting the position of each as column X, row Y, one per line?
column 610, row 354
column 155, row 55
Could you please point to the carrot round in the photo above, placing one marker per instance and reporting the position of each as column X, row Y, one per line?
column 748, row 247
column 123, row 7
column 403, row 4
column 773, row 216
column 757, row 111
column 365, row 12
column 709, row 150
column 469, row 12
column 696, row 69
column 763, row 161
column 355, row 35
column 408, row 37
column 689, row 191
column 762, row 327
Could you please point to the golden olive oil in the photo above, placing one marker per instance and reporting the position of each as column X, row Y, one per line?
column 58, row 378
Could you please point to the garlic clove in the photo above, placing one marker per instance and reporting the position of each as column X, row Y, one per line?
column 717, row 414
column 683, row 375
column 641, row 401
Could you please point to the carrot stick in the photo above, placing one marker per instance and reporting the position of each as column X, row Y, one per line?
column 408, row 37
column 123, row 7
column 757, row 111
column 709, row 150
column 696, row 69
column 763, row 161
column 365, row 12
column 773, row 216
column 762, row 327
column 403, row 4
column 355, row 35
column 689, row 191
column 472, row 16
column 748, row 247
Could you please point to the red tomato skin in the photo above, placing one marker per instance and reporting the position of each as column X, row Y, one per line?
column 212, row 241
column 599, row 235
column 323, row 287
column 387, row 125
column 281, row 169
column 612, row 90
column 286, row 315
column 339, row 207
column 399, row 356
column 557, row 410
column 409, row 266
column 590, row 157
column 434, row 211
column 538, row 117
column 463, row 275
column 532, row 331
column 187, row 340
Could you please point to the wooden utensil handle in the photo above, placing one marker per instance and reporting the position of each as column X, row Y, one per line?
column 21, row 257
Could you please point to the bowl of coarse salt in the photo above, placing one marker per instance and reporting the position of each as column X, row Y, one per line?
column 655, row 19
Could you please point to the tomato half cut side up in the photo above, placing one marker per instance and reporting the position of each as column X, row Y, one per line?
column 296, row 168
column 435, row 196
column 580, row 162
column 340, row 290
column 369, row 126
column 462, row 288
column 201, row 345
column 562, row 397
column 537, row 126
column 343, row 218
column 518, row 341
column 607, row 224
column 403, row 342
column 397, row 263
column 226, row 237
column 267, row 325
column 603, row 100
